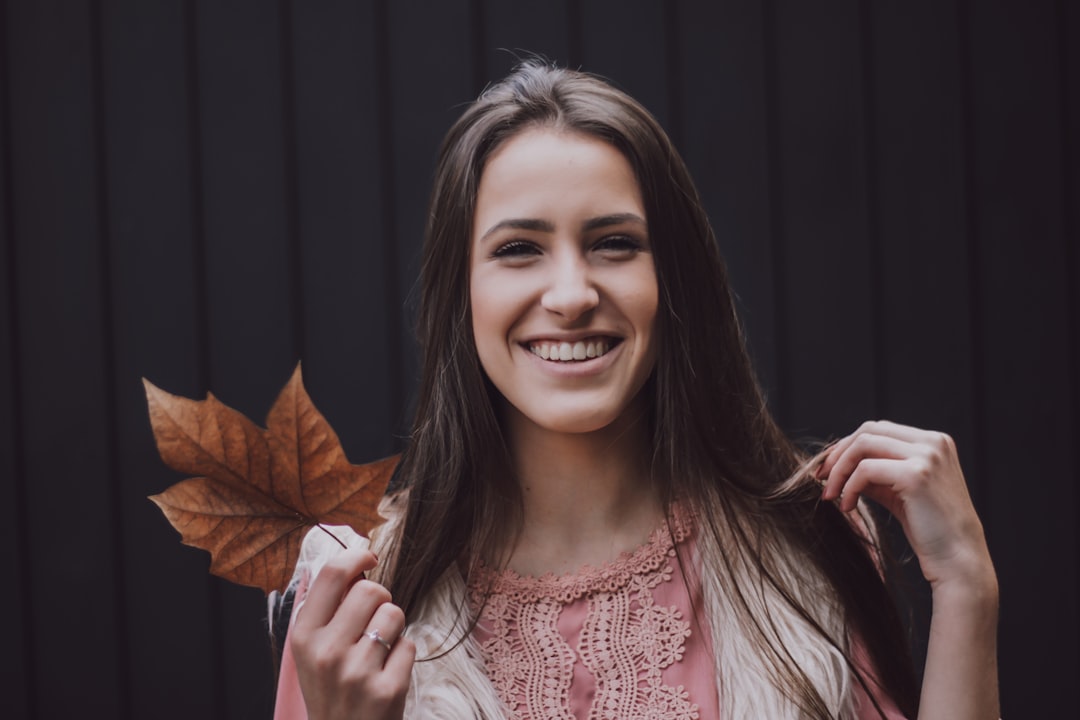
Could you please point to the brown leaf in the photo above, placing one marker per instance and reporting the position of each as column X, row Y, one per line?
column 259, row 491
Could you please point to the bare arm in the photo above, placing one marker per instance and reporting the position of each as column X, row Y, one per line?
column 961, row 661
column 915, row 474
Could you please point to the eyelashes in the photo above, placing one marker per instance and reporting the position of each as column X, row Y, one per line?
column 516, row 249
column 618, row 243
column 609, row 246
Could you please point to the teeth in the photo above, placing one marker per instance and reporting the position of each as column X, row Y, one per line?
column 567, row 352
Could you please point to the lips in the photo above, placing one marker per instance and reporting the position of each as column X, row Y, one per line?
column 570, row 352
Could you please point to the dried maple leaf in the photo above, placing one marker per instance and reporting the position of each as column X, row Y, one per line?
column 259, row 491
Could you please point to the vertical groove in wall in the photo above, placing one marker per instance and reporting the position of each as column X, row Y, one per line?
column 108, row 341
column 195, row 189
column 202, row 313
column 26, row 624
column 779, row 402
column 291, row 177
column 388, row 178
column 673, row 71
column 478, row 21
column 291, row 167
column 1070, row 238
column 573, row 34
column 974, row 257
column 873, row 207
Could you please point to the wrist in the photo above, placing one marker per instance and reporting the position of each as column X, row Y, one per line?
column 965, row 567
column 973, row 585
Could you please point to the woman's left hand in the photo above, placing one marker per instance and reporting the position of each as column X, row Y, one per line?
column 915, row 474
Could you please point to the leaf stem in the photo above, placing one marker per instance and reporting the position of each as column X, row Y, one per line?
column 336, row 538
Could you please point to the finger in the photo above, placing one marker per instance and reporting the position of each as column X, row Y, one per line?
column 817, row 462
column 400, row 660
column 386, row 626
column 870, row 477
column 885, row 428
column 331, row 584
column 864, row 446
column 835, row 451
column 354, row 613
column 387, row 687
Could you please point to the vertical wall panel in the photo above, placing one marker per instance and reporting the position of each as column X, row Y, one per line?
column 249, row 264
column 1069, row 48
column 625, row 41
column 725, row 144
column 827, row 377
column 925, row 373
column 155, row 315
column 66, row 417
column 341, row 220
column 432, row 78
column 920, row 218
column 246, row 200
column 16, row 658
column 1069, row 81
column 1024, row 319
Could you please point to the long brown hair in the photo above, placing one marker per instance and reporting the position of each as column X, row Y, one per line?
column 717, row 447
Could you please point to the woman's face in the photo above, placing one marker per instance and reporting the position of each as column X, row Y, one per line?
column 562, row 282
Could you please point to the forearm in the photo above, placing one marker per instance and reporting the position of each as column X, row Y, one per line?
column 961, row 678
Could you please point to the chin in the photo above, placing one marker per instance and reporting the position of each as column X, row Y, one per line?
column 578, row 421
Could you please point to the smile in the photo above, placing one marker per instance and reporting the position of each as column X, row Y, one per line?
column 586, row 349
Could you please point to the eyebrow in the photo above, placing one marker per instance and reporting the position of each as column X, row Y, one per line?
column 519, row 224
column 545, row 226
column 614, row 219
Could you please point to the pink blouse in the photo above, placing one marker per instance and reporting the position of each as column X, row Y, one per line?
column 619, row 641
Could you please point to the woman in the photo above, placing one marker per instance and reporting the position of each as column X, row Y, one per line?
column 596, row 516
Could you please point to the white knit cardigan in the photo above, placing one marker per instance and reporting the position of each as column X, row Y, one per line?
column 456, row 686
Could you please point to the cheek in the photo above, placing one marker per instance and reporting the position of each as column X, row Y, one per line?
column 492, row 313
column 484, row 307
column 644, row 305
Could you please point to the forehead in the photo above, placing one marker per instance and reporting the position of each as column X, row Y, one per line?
column 545, row 173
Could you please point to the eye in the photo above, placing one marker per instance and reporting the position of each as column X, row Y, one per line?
column 516, row 250
column 619, row 245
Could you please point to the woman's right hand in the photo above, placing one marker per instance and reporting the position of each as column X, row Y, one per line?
column 344, row 671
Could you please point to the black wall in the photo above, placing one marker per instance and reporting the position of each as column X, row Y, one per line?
column 203, row 193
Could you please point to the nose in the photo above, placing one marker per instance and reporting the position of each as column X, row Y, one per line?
column 570, row 292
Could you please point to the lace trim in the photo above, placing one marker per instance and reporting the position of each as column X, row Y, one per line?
column 527, row 658
column 627, row 640
column 609, row 577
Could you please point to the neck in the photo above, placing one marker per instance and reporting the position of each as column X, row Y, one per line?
column 587, row 496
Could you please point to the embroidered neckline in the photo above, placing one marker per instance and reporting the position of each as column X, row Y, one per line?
column 622, row 646
column 607, row 577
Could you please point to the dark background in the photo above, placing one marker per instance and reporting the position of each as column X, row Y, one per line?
column 203, row 193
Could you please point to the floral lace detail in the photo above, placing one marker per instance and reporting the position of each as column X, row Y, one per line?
column 524, row 637
column 628, row 636
column 625, row 643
